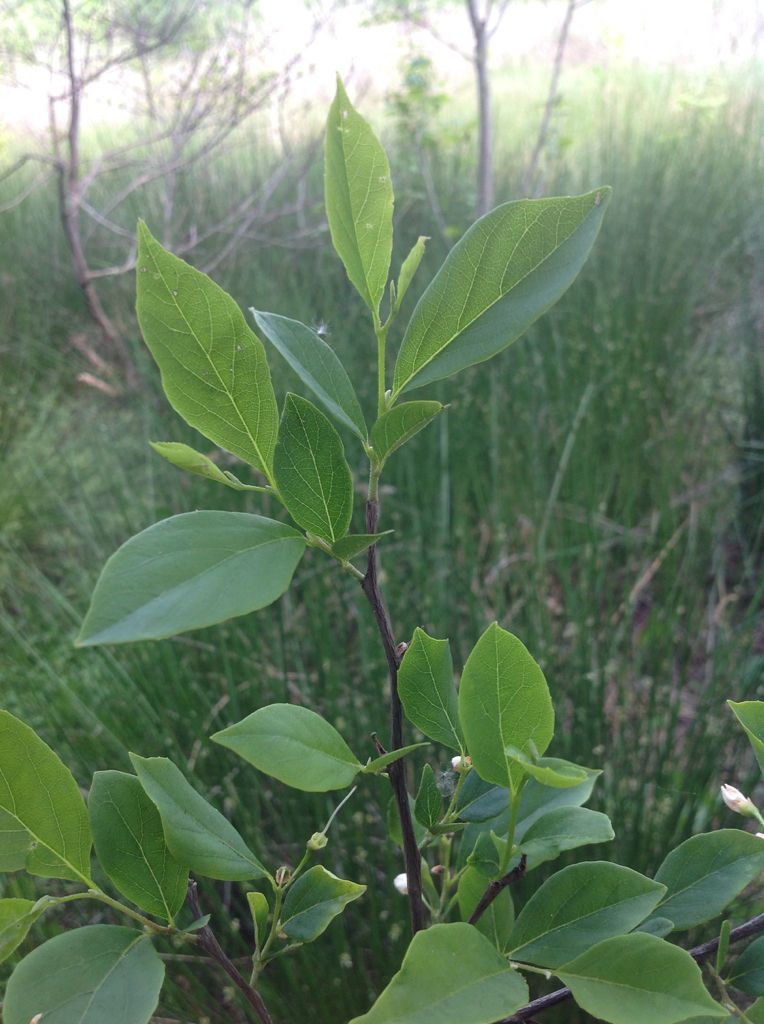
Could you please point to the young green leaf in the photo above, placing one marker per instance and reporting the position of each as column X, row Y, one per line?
column 426, row 688
column 496, row 921
column 451, row 974
column 565, row 828
column 359, row 199
column 747, row 972
column 724, row 946
column 428, row 806
column 311, row 472
column 409, row 267
column 214, row 370
column 639, row 979
column 195, row 832
column 379, row 764
column 317, row 366
column 706, row 872
column 538, row 800
column 39, row 794
column 294, row 745
column 549, row 771
column 87, row 976
column 579, row 907
column 258, row 906
column 313, row 901
column 503, row 701
column 16, row 918
column 192, row 461
column 130, row 845
column 750, row 714
column 508, row 269
column 190, row 571
column 355, row 543
column 395, row 427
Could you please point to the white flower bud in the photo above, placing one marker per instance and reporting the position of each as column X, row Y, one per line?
column 459, row 764
column 760, row 835
column 401, row 883
column 737, row 801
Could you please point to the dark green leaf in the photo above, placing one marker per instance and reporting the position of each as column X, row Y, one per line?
column 451, row 974
column 130, row 845
column 395, row 427
column 356, row 543
column 426, row 688
column 196, row 833
column 747, row 972
column 428, row 806
column 90, row 975
column 39, row 794
column 660, row 926
column 723, row 947
column 214, row 370
column 538, row 800
column 565, row 828
column 639, row 979
column 508, row 269
column 578, row 907
column 480, row 800
column 317, row 366
column 190, row 571
column 313, row 901
column 311, row 472
column 359, row 199
column 503, row 699
column 497, row 919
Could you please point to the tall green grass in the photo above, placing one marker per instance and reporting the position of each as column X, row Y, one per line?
column 584, row 489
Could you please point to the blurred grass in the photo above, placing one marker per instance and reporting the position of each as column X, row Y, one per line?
column 597, row 488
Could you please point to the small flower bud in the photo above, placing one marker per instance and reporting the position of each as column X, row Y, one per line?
column 401, row 883
column 36, row 1019
column 736, row 801
column 438, row 869
column 317, row 841
column 460, row 764
column 283, row 874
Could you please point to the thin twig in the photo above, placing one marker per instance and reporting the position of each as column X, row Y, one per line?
column 496, row 887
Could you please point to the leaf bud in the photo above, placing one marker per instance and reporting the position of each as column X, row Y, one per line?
column 317, row 841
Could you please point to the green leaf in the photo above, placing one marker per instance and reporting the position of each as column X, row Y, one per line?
column 192, row 461
column 426, row 688
column 394, row 826
column 451, row 974
column 294, row 745
column 747, row 972
column 395, row 427
column 706, row 872
column 428, row 806
column 497, row 919
column 374, row 767
column 549, row 771
column 317, row 366
column 87, row 976
column 723, row 947
column 660, row 926
column 313, row 901
column 508, row 269
column 16, row 918
column 538, row 800
column 214, row 370
column 195, row 832
column 311, row 472
column 258, row 906
column 503, row 701
column 565, row 828
column 639, row 979
column 359, row 199
column 356, row 543
column 480, row 800
column 190, row 571
column 15, row 843
column 130, row 845
column 750, row 714
column 409, row 267
column 39, row 794
column 578, row 907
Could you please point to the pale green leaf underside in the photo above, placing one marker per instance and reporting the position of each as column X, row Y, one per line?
column 639, row 979
column 213, row 367
column 565, row 828
column 16, row 918
column 395, row 427
column 294, row 745
column 317, row 366
column 451, row 974
column 312, row 475
column 189, row 571
column 508, row 269
column 356, row 543
column 90, row 975
column 130, row 845
column 196, row 833
column 259, row 909
column 40, row 796
column 314, row 900
column 504, row 702
column 427, row 690
column 359, row 199
column 550, row 771
column 706, row 872
column 578, row 907
column 184, row 457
